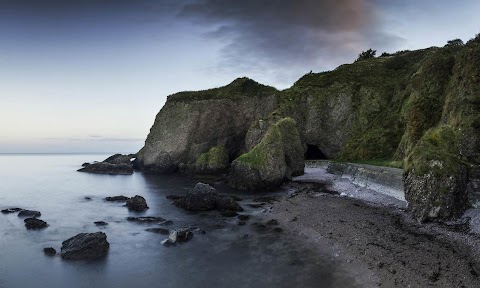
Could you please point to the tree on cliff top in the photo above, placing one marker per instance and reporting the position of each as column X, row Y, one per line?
column 366, row 55
column 454, row 43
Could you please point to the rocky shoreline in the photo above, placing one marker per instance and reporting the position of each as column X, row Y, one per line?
column 379, row 244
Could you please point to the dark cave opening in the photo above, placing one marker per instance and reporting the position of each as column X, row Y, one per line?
column 314, row 153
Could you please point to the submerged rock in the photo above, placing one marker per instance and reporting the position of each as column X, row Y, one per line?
column 29, row 213
column 100, row 223
column 117, row 198
column 204, row 197
column 162, row 231
column 178, row 235
column 35, row 224
column 108, row 168
column 85, row 246
column 11, row 210
column 137, row 203
column 50, row 251
column 146, row 219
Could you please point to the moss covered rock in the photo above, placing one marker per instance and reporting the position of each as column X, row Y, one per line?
column 435, row 177
column 212, row 162
column 277, row 157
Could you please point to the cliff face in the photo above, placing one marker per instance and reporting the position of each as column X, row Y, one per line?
column 402, row 109
column 191, row 123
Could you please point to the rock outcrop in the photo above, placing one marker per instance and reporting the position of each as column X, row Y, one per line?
column 85, row 246
column 204, row 197
column 117, row 164
column 278, row 157
column 137, row 203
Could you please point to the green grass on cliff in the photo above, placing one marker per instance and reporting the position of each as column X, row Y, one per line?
column 239, row 88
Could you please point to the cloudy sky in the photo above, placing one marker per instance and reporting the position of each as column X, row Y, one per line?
column 90, row 75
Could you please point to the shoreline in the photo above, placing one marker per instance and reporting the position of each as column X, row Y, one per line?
column 375, row 239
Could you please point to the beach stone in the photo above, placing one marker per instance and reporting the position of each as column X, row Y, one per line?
column 35, row 224
column 137, row 203
column 85, row 246
column 29, row 213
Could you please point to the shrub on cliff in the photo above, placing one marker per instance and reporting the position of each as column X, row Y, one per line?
column 366, row 55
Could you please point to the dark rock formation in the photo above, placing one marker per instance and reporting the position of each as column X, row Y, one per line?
column 11, row 210
column 117, row 198
column 204, row 197
column 120, row 159
column 85, row 164
column 278, row 157
column 162, row 231
column 137, row 203
column 147, row 219
column 29, row 213
column 35, row 224
column 50, row 251
column 108, row 168
column 100, row 223
column 178, row 236
column 85, row 246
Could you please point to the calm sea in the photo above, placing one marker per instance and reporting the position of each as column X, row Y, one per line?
column 223, row 257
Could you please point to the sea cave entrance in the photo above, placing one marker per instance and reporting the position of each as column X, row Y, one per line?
column 314, row 153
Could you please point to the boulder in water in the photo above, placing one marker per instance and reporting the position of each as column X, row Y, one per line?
column 35, row 224
column 137, row 203
column 29, row 213
column 85, row 246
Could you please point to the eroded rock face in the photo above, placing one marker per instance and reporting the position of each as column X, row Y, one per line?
column 204, row 197
column 137, row 203
column 278, row 157
column 108, row 168
column 85, row 246
column 191, row 123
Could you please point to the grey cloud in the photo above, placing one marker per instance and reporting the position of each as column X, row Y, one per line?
column 285, row 38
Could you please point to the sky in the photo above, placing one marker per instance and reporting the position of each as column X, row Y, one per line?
column 90, row 75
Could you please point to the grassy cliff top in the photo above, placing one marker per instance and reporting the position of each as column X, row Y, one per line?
column 239, row 88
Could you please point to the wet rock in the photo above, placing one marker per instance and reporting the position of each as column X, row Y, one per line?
column 137, row 203
column 108, row 168
column 243, row 217
column 178, row 236
column 100, row 223
column 50, row 251
column 229, row 214
column 29, row 213
column 166, row 223
column 120, row 198
column 162, row 231
column 85, row 164
column 146, row 219
column 204, row 197
column 85, row 246
column 272, row 222
column 35, row 224
column 120, row 159
column 11, row 210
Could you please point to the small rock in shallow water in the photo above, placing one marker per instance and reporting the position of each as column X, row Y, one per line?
column 137, row 203
column 272, row 222
column 229, row 214
column 11, row 210
column 120, row 198
column 162, row 231
column 50, row 251
column 85, row 246
column 243, row 217
column 100, row 223
column 35, row 224
column 146, row 219
column 29, row 213
column 178, row 236
column 87, row 198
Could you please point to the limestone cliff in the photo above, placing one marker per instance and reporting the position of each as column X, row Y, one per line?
column 419, row 110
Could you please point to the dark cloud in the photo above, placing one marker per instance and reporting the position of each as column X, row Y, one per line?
column 285, row 37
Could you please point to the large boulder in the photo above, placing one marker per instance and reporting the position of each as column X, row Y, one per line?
column 137, row 203
column 85, row 246
column 204, row 197
column 435, row 177
column 108, row 168
column 278, row 157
